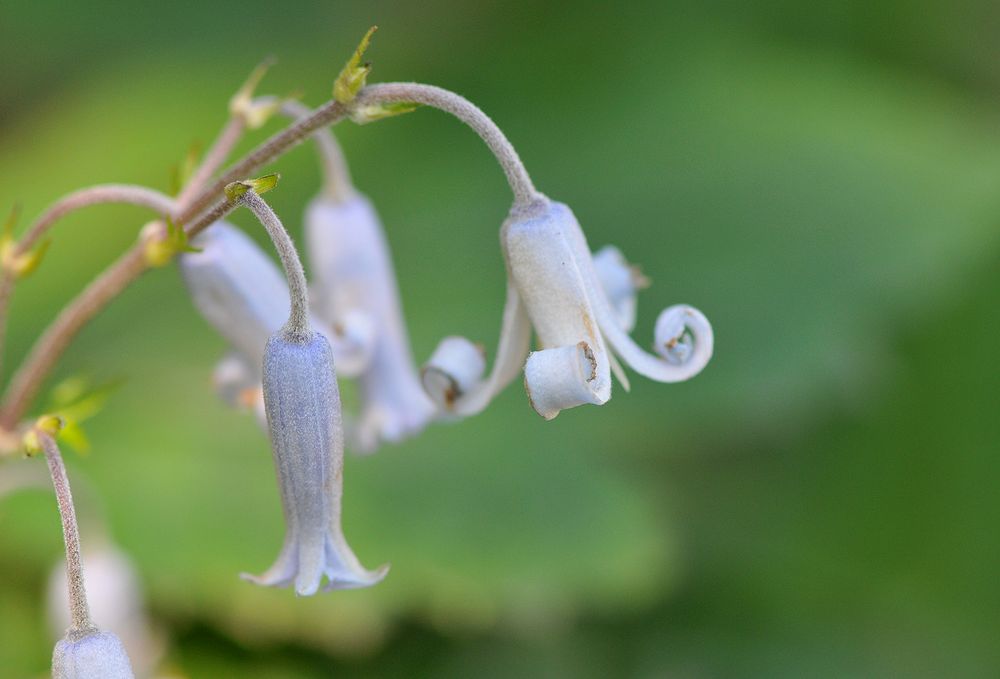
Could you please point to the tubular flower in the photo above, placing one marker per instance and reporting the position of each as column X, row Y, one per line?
column 242, row 294
column 302, row 405
column 354, row 279
column 90, row 654
column 578, row 315
column 303, row 415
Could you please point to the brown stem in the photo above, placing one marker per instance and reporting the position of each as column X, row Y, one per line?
column 213, row 160
column 94, row 195
column 291, row 136
column 50, row 346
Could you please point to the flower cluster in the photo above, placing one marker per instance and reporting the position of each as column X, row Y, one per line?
column 290, row 342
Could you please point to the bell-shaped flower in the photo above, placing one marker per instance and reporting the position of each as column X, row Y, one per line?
column 579, row 318
column 302, row 404
column 240, row 291
column 303, row 415
column 90, row 654
column 353, row 277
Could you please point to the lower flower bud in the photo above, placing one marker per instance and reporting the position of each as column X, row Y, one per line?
column 91, row 654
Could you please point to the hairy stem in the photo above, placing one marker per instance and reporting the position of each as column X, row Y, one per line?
column 102, row 290
column 54, row 340
column 336, row 176
column 79, row 611
column 94, row 195
column 298, row 290
column 470, row 114
column 213, row 160
column 291, row 136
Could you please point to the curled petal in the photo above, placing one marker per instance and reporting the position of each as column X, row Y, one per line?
column 683, row 331
column 684, row 340
column 512, row 349
column 563, row 377
column 550, row 272
column 453, row 370
column 621, row 282
column 353, row 342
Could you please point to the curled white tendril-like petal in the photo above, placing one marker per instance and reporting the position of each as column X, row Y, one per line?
column 579, row 305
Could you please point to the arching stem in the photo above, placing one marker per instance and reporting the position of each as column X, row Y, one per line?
column 79, row 610
column 298, row 319
column 336, row 175
column 517, row 176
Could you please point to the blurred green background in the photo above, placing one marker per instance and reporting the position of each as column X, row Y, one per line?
column 822, row 181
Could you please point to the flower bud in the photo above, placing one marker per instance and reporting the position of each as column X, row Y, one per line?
column 91, row 654
column 116, row 603
column 303, row 416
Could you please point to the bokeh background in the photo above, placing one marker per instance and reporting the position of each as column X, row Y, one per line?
column 822, row 180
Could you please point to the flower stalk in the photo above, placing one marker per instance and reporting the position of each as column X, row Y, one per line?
column 80, row 621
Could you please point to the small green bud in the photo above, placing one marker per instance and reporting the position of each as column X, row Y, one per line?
column 161, row 246
column 46, row 425
column 352, row 77
column 236, row 190
column 368, row 114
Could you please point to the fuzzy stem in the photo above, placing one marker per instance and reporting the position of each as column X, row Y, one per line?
column 293, row 135
column 297, row 326
column 128, row 267
column 336, row 175
column 79, row 611
column 54, row 340
column 517, row 176
column 94, row 195
column 213, row 160
column 102, row 290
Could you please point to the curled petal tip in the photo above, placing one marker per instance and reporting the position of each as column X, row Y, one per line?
column 564, row 377
column 455, row 368
column 353, row 340
column 358, row 580
column 683, row 337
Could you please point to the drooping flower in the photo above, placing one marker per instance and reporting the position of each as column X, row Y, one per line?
column 353, row 274
column 554, row 288
column 303, row 415
column 302, row 404
column 90, row 654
